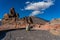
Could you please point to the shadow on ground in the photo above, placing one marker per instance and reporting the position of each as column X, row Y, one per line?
column 2, row 34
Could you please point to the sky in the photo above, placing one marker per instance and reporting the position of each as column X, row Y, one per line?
column 46, row 9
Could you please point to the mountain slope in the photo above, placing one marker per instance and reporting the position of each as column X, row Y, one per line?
column 37, row 20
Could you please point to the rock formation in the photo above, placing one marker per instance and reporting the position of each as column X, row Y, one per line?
column 55, row 21
column 12, row 21
column 11, row 17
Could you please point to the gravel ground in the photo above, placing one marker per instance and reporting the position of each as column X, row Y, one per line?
column 30, row 35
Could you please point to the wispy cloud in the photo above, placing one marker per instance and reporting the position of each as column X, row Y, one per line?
column 27, row 2
column 37, row 7
column 35, row 13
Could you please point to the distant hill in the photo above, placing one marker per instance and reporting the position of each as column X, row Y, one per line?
column 55, row 21
column 37, row 20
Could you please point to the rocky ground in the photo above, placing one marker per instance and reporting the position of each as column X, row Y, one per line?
column 30, row 35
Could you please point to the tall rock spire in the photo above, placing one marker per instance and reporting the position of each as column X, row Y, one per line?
column 11, row 17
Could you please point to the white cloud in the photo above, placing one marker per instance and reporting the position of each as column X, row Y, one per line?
column 38, row 6
column 35, row 13
column 27, row 2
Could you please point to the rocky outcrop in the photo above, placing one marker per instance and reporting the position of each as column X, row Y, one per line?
column 55, row 21
column 12, row 21
column 53, row 26
column 11, row 17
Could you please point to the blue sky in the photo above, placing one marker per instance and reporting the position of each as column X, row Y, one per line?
column 22, row 7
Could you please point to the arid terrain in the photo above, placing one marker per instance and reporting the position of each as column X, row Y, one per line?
column 30, row 35
column 14, row 28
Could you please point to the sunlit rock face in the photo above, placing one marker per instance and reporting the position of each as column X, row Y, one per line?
column 11, row 20
column 11, row 17
column 52, row 25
